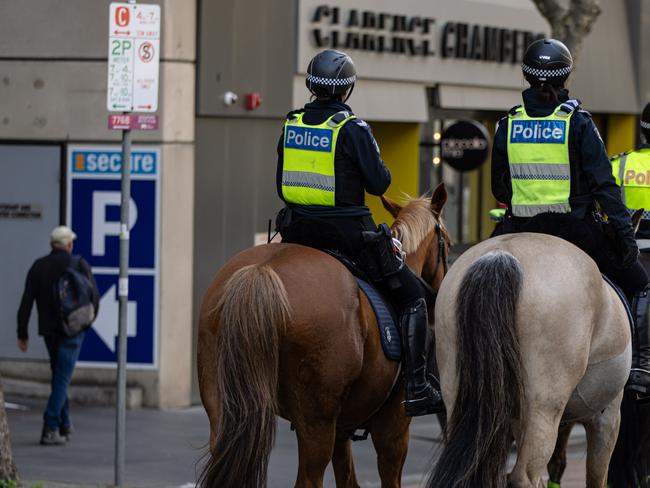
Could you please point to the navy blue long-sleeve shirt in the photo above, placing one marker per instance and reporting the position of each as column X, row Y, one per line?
column 358, row 166
column 591, row 170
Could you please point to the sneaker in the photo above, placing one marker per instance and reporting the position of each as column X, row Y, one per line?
column 51, row 437
column 65, row 431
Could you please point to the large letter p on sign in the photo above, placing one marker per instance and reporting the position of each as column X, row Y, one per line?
column 122, row 16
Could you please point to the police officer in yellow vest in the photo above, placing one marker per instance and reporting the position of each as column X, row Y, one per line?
column 550, row 166
column 327, row 159
column 632, row 173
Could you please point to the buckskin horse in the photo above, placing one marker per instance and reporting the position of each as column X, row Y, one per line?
column 284, row 330
column 630, row 462
column 528, row 334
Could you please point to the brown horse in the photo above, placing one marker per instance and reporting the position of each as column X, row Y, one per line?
column 284, row 330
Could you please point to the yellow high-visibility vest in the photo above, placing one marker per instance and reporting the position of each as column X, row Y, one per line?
column 538, row 157
column 308, row 162
column 632, row 172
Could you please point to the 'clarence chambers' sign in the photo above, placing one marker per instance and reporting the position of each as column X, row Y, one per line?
column 416, row 36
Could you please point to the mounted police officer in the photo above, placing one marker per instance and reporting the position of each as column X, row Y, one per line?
column 550, row 166
column 327, row 159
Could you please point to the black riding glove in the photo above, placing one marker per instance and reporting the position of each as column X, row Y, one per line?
column 629, row 251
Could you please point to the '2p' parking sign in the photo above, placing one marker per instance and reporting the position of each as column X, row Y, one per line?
column 93, row 212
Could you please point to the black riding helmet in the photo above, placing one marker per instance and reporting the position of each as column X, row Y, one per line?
column 547, row 61
column 330, row 73
column 645, row 122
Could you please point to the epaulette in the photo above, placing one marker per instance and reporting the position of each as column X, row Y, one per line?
column 620, row 155
column 339, row 117
column 294, row 113
column 514, row 109
column 569, row 106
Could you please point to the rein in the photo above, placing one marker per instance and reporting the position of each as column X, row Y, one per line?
column 442, row 259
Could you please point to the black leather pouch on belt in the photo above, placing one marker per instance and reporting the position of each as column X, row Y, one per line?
column 379, row 258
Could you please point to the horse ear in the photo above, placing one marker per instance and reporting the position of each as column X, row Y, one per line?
column 439, row 199
column 390, row 205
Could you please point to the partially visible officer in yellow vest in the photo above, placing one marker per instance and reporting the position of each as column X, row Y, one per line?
column 327, row 159
column 632, row 172
column 550, row 166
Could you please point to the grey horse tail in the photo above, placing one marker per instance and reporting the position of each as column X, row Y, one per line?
column 490, row 388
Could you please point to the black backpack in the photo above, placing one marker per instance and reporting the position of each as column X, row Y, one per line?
column 74, row 293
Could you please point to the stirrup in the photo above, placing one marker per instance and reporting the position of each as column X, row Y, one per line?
column 425, row 405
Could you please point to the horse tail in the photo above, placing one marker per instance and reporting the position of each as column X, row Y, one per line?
column 253, row 311
column 630, row 463
column 490, row 386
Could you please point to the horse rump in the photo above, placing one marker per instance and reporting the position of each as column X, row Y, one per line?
column 252, row 312
column 490, row 387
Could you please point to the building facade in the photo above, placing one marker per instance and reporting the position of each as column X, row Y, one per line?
column 421, row 65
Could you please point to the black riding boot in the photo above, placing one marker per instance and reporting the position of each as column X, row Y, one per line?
column 421, row 397
column 640, row 374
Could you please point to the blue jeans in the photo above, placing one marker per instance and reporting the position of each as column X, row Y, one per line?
column 64, row 352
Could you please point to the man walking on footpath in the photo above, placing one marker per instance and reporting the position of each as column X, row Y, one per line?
column 42, row 285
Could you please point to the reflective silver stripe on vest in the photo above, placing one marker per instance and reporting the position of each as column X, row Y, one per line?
column 536, row 171
column 621, row 175
column 532, row 210
column 644, row 216
column 305, row 179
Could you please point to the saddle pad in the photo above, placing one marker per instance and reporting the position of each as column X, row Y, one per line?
column 391, row 341
column 623, row 298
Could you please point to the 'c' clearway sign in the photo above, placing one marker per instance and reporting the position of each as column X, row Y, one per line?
column 93, row 212
column 133, row 57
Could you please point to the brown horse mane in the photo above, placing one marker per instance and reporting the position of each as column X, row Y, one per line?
column 415, row 222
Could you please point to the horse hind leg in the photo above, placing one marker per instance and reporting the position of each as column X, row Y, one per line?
column 315, row 448
column 390, row 436
column 536, row 443
column 602, row 431
column 557, row 464
column 343, row 463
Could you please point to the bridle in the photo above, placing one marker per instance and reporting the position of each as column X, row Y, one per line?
column 441, row 260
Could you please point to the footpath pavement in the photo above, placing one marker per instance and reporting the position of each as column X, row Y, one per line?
column 164, row 449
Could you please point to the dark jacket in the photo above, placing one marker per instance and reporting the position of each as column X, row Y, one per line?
column 39, row 286
column 358, row 166
column 591, row 170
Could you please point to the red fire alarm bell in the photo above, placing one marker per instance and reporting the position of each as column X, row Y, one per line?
column 253, row 101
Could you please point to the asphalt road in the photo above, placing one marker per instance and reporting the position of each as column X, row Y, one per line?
column 164, row 449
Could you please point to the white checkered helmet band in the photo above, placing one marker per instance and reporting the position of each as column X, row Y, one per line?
column 645, row 125
column 546, row 73
column 318, row 80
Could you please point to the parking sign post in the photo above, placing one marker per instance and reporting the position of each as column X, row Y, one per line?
column 133, row 58
column 123, row 296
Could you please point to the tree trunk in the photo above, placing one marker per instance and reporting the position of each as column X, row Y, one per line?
column 570, row 24
column 7, row 466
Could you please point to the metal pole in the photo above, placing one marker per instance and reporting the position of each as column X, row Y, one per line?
column 120, row 423
column 479, row 236
column 461, row 195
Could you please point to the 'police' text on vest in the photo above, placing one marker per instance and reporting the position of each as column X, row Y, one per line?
column 309, row 139
column 538, row 131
